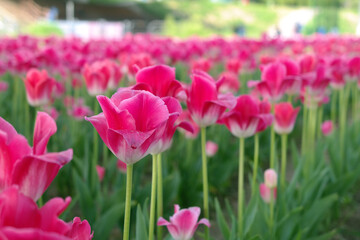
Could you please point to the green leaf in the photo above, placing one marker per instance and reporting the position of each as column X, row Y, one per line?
column 107, row 221
column 141, row 229
column 250, row 214
column 224, row 228
column 325, row 236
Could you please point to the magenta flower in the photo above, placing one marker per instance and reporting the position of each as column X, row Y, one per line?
column 285, row 117
column 129, row 121
column 100, row 171
column 203, row 101
column 31, row 169
column 21, row 219
column 3, row 86
column 97, row 76
column 267, row 193
column 243, row 120
column 211, row 148
column 159, row 80
column 273, row 82
column 183, row 223
column 39, row 87
column 327, row 127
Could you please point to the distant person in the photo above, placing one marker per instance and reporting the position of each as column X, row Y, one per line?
column 240, row 30
column 278, row 31
column 53, row 13
column 298, row 28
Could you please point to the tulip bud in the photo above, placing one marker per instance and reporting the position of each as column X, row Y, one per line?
column 270, row 178
column 327, row 127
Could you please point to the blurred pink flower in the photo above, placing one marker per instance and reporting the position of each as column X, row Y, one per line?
column 183, row 223
column 211, row 148
column 327, row 127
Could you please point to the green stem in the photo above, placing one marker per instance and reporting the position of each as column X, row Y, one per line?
column 283, row 160
column 304, row 130
column 129, row 173
column 311, row 136
column 93, row 174
column 27, row 120
column 271, row 221
column 40, row 202
column 159, row 195
column 241, row 187
column 333, row 106
column 205, row 179
column 256, row 162
column 355, row 96
column 153, row 198
column 272, row 143
column 320, row 119
column 342, row 118
column 289, row 98
column 15, row 98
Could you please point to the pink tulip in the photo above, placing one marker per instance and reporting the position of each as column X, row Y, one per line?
column 203, row 101
column 101, row 172
column 96, row 77
column 211, row 148
column 121, row 166
column 20, row 218
column 233, row 65
column 39, row 87
column 79, row 112
column 285, row 117
column 129, row 121
column 270, row 177
column 183, row 223
column 243, row 120
column 163, row 135
column 115, row 74
column 3, row 86
column 185, row 116
column 273, row 82
column 31, row 169
column 327, row 127
column 354, row 67
column 229, row 82
column 267, row 194
column 267, row 118
column 159, row 80
column 201, row 64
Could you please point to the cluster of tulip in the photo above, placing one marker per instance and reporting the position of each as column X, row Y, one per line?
column 147, row 106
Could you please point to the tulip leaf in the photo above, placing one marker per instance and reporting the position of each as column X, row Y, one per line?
column 250, row 213
column 108, row 220
column 325, row 236
column 141, row 229
column 224, row 228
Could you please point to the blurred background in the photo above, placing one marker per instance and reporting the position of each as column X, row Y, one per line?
column 92, row 19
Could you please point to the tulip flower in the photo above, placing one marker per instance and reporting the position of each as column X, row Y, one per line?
column 100, row 171
column 97, row 76
column 131, row 125
column 128, row 122
column 159, row 80
column 39, row 87
column 22, row 219
column 31, row 169
column 285, row 117
column 3, row 86
column 267, row 193
column 211, row 148
column 121, row 166
column 203, row 101
column 270, row 177
column 115, row 74
column 183, row 223
column 273, row 82
column 229, row 82
column 327, row 127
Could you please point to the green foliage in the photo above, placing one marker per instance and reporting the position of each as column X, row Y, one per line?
column 43, row 29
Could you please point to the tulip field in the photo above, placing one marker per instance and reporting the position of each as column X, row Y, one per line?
column 151, row 137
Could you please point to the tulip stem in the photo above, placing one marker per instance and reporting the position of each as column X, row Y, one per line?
column 129, row 173
column 27, row 121
column 320, row 119
column 153, row 197
column 256, row 162
column 354, row 102
column 241, row 187
column 205, row 179
column 93, row 173
column 271, row 221
column 272, row 147
column 333, row 106
column 15, row 98
column 159, row 195
column 283, row 160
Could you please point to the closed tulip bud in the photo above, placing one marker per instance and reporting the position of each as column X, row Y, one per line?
column 270, row 178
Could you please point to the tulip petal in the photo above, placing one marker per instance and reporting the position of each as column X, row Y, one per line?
column 45, row 127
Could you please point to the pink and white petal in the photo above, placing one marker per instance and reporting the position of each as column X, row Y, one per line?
column 30, row 234
column 80, row 230
column 100, row 124
column 7, row 128
column 50, row 213
column 117, row 119
column 45, row 127
column 163, row 222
